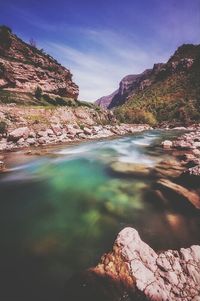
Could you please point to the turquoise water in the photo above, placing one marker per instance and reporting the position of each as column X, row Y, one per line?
column 60, row 212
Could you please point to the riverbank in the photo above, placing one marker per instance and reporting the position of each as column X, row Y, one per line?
column 30, row 128
column 186, row 149
column 24, row 127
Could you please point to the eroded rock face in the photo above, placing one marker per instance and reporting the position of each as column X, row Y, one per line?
column 127, row 85
column 167, row 276
column 23, row 68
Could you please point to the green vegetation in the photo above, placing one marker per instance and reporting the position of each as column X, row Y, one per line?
column 3, row 127
column 38, row 93
column 135, row 116
column 81, row 126
column 5, row 38
column 173, row 98
column 43, row 101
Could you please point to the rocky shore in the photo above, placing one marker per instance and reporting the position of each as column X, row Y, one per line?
column 186, row 150
column 23, row 137
column 29, row 127
column 146, row 275
column 188, row 144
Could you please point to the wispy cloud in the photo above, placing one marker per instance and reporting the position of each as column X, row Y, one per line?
column 99, row 57
column 99, row 68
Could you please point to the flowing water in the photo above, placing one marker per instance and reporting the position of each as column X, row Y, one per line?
column 60, row 212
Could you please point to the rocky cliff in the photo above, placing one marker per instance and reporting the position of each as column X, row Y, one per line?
column 105, row 101
column 24, row 68
column 168, row 91
column 127, row 85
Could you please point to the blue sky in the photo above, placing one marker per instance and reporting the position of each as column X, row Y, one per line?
column 102, row 41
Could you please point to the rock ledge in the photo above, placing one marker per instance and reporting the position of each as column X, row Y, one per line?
column 168, row 276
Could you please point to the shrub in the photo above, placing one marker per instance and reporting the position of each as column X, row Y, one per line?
column 48, row 99
column 5, row 36
column 140, row 116
column 81, row 126
column 3, row 127
column 60, row 101
column 38, row 92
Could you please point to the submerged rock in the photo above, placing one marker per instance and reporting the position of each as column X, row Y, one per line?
column 133, row 169
column 181, row 191
column 169, row 168
column 168, row 276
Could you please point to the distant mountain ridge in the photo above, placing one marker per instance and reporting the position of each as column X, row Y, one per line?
column 127, row 85
column 169, row 91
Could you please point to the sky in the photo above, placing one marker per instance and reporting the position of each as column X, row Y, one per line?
column 101, row 41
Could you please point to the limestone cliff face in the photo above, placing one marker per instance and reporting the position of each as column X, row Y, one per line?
column 23, row 68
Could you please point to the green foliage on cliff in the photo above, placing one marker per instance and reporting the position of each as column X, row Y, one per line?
column 5, row 38
column 174, row 97
column 38, row 92
column 3, row 127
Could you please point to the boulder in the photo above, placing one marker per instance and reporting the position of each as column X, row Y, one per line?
column 3, row 144
column 22, row 132
column 72, row 131
column 172, row 275
column 181, row 191
column 32, row 134
column 196, row 144
column 43, row 133
column 194, row 171
column 56, row 128
column 167, row 144
column 169, row 168
column 31, row 141
column 87, row 131
column 129, row 169
column 182, row 144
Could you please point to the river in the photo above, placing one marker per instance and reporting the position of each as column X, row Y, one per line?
column 61, row 211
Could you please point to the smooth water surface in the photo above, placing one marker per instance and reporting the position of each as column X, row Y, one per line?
column 60, row 212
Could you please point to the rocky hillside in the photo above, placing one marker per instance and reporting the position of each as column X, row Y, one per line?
column 167, row 92
column 105, row 101
column 127, row 85
column 26, row 69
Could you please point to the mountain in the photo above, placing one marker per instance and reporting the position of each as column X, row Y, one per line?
column 105, row 101
column 128, row 84
column 167, row 92
column 24, row 69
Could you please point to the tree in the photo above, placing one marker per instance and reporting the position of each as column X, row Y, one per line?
column 38, row 92
column 32, row 42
